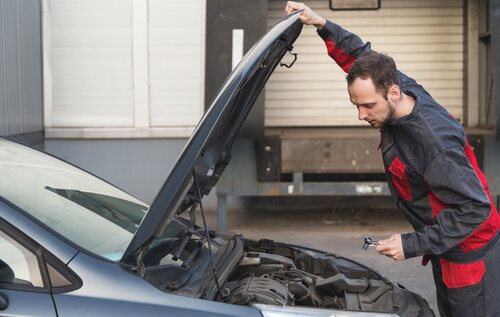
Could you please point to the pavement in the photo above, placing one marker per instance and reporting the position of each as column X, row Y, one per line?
column 339, row 230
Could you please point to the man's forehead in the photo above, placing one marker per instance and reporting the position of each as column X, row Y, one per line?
column 365, row 84
column 362, row 91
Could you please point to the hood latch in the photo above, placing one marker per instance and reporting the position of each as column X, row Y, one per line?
column 293, row 62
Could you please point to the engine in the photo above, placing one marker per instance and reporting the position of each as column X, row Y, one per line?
column 262, row 290
column 271, row 273
column 265, row 278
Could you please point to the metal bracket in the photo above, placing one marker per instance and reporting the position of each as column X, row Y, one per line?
column 293, row 62
column 268, row 155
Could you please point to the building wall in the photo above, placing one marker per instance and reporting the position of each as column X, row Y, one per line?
column 21, row 107
column 123, row 68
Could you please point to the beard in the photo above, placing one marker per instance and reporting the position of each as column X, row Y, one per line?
column 390, row 112
column 388, row 118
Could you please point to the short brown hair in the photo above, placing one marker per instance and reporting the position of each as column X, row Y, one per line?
column 377, row 66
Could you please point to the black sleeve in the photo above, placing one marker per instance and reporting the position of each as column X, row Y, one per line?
column 451, row 177
column 343, row 46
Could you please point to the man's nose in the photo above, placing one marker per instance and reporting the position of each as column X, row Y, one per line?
column 361, row 114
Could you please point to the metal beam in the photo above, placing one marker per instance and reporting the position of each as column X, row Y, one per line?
column 495, row 53
column 471, row 64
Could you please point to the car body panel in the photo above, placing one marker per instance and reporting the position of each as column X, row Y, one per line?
column 28, row 303
column 108, row 290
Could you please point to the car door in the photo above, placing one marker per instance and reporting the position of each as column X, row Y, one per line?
column 23, row 286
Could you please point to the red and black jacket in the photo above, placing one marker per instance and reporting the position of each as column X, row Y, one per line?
column 432, row 173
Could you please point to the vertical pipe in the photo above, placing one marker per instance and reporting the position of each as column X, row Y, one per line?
column 495, row 51
column 222, row 213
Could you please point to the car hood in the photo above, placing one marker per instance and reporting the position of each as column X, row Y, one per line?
column 208, row 151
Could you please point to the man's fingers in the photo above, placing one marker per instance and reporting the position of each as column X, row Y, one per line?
column 382, row 243
column 291, row 6
column 381, row 248
column 388, row 253
column 391, row 248
column 388, row 240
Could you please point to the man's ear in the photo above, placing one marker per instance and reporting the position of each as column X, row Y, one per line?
column 394, row 93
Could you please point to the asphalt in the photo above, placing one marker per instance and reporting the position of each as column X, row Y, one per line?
column 337, row 230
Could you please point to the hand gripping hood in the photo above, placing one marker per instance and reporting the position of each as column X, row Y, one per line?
column 208, row 150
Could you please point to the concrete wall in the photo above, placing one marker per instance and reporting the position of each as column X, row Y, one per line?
column 21, row 106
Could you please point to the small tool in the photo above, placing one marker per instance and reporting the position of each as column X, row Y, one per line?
column 369, row 242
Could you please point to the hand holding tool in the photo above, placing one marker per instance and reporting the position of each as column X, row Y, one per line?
column 368, row 242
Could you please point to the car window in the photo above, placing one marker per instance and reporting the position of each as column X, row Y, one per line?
column 123, row 213
column 56, row 278
column 18, row 265
column 82, row 208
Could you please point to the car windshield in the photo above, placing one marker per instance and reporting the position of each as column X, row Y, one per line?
column 84, row 209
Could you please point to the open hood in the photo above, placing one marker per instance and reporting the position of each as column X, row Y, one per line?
column 208, row 151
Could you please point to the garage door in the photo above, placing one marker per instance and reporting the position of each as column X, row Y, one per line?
column 424, row 37
column 115, row 64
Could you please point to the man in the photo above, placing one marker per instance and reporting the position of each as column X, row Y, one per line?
column 432, row 174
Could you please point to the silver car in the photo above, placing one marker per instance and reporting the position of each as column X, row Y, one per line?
column 74, row 245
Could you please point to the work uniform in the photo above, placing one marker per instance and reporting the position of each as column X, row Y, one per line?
column 433, row 176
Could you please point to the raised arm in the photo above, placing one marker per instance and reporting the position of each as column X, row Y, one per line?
column 308, row 16
column 343, row 46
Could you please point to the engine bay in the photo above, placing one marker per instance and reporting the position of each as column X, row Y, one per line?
column 302, row 277
column 266, row 272
column 263, row 278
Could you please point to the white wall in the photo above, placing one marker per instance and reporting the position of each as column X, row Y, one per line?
column 123, row 68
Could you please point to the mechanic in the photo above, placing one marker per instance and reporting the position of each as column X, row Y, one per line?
column 432, row 173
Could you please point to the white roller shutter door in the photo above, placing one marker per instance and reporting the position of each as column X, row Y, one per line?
column 424, row 37
column 132, row 66
column 177, row 41
column 90, row 63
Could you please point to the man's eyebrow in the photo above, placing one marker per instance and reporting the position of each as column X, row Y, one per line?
column 362, row 104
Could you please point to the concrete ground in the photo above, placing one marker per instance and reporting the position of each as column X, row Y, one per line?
column 340, row 231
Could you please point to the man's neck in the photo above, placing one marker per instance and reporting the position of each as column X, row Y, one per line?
column 403, row 107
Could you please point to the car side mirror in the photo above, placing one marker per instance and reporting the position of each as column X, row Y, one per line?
column 6, row 273
column 4, row 302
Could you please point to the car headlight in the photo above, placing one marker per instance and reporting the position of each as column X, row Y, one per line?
column 292, row 311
